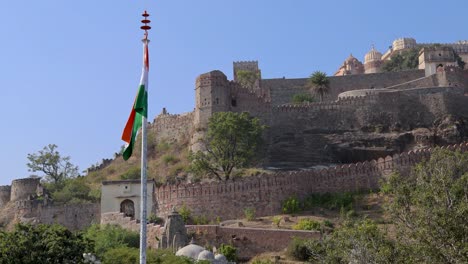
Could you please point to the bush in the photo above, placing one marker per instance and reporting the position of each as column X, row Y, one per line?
column 257, row 260
column 28, row 244
column 277, row 220
column 132, row 173
column 249, row 213
column 154, row 219
column 200, row 220
column 330, row 201
column 106, row 237
column 297, row 249
column 291, row 206
column 126, row 255
column 168, row 158
column 73, row 191
column 303, row 98
column 230, row 252
column 307, row 224
column 185, row 212
column 163, row 146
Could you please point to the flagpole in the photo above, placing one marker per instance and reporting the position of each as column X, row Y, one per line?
column 143, row 203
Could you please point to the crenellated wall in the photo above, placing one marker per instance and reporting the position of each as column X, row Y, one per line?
column 282, row 90
column 334, row 132
column 5, row 194
column 265, row 193
column 172, row 128
column 21, row 189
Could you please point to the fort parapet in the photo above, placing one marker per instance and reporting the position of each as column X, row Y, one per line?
column 265, row 193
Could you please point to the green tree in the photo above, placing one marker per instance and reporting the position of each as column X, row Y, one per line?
column 49, row 161
column 29, row 244
column 232, row 141
column 319, row 83
column 247, row 79
column 72, row 190
column 405, row 60
column 430, row 208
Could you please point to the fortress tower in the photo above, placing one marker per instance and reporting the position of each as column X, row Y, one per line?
column 373, row 61
column 434, row 59
column 21, row 189
column 251, row 66
column 211, row 95
column 404, row 43
column 5, row 193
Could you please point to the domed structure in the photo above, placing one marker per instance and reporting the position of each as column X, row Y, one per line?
column 190, row 251
column 221, row 258
column 206, row 255
column 350, row 66
column 372, row 61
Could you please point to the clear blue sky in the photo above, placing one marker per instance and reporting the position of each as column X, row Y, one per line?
column 69, row 69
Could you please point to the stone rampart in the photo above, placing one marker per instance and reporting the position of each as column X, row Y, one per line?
column 5, row 194
column 266, row 193
column 172, row 128
column 249, row 241
column 72, row 216
column 282, row 90
column 22, row 189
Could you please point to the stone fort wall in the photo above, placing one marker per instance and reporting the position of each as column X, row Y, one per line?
column 300, row 134
column 265, row 193
column 282, row 90
column 171, row 128
column 21, row 189
column 72, row 216
column 5, row 193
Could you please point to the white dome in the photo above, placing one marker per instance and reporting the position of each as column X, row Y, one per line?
column 206, row 255
column 221, row 258
column 372, row 55
column 191, row 251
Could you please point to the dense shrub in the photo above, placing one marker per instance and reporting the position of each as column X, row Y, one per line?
column 291, row 206
column 230, row 252
column 249, row 213
column 302, row 98
column 330, row 201
column 297, row 249
column 106, row 237
column 307, row 224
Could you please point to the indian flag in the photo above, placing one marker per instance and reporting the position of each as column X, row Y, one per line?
column 140, row 107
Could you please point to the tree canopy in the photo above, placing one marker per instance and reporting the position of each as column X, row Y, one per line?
column 29, row 244
column 319, row 83
column 430, row 208
column 232, row 141
column 50, row 162
column 246, row 78
column 427, row 210
column 406, row 60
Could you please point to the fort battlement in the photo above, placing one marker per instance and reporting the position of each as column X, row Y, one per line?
column 5, row 193
column 22, row 189
column 266, row 192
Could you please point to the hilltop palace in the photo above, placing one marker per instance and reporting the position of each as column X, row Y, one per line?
column 369, row 124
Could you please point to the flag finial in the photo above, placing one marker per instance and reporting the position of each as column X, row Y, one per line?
column 145, row 21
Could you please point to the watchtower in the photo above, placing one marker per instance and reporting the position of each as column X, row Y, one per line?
column 433, row 59
column 212, row 94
